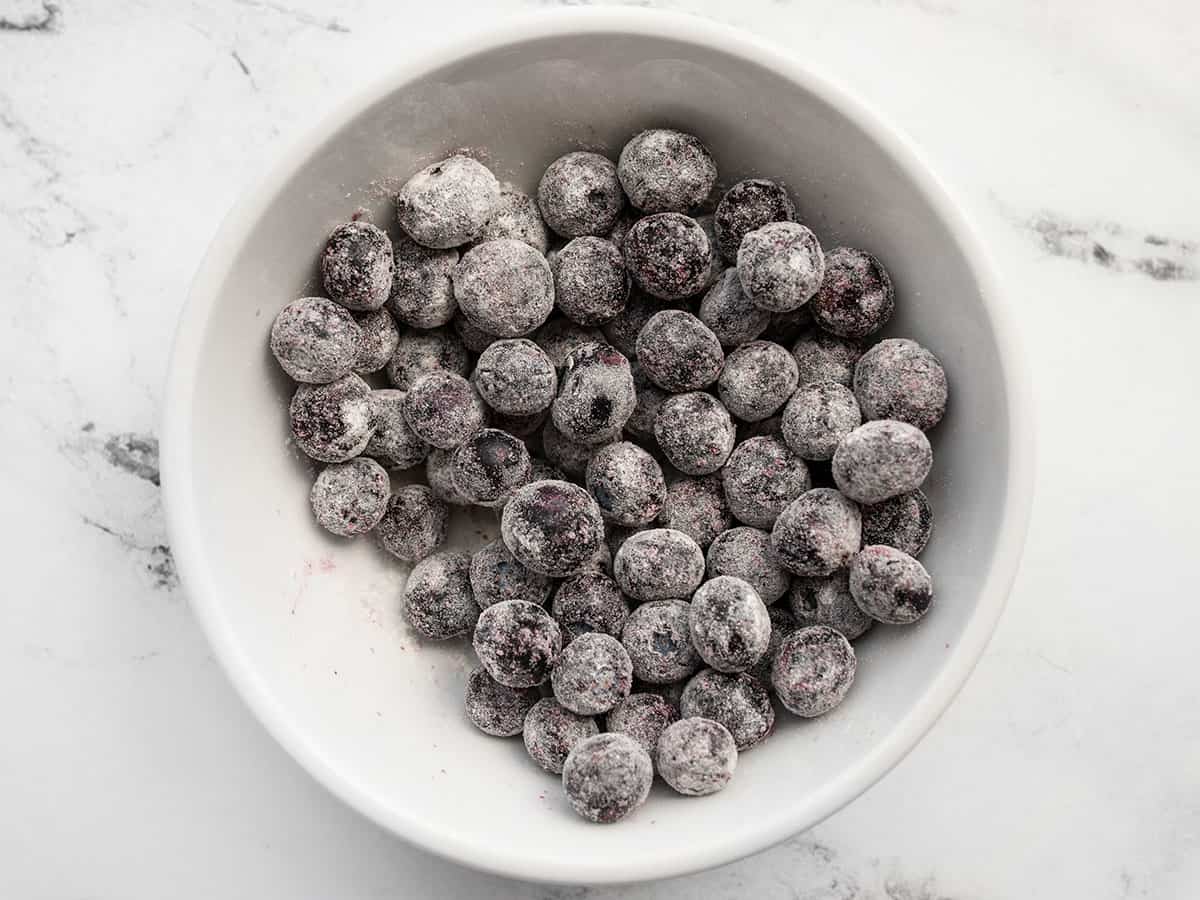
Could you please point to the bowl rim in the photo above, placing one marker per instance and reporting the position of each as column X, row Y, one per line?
column 766, row 828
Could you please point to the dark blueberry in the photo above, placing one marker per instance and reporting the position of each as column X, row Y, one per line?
column 668, row 256
column 437, row 596
column 596, row 395
column 443, row 409
column 356, row 266
column 881, row 460
column 517, row 642
column 678, row 352
column 813, row 670
column 781, row 266
column 414, row 524
column 904, row 522
column 350, row 498
column 666, row 171
column 553, row 527
column 447, row 203
column 856, row 296
column 890, row 586
column 757, row 380
column 579, row 194
column 761, row 478
column 695, row 433
column 489, row 466
column 333, row 422
column 818, row 417
column 590, row 281
column 899, row 379
column 818, row 533
column 504, row 287
column 315, row 341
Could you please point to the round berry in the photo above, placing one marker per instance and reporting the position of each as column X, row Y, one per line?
column 517, row 217
column 495, row 708
column 678, row 352
column 695, row 433
column 826, row 600
column 890, row 586
column 746, row 207
column 315, row 341
column 738, row 701
column 414, row 524
column 496, row 576
column 553, row 527
column 380, row 338
column 504, row 287
column 593, row 674
column 813, row 670
column 332, row 422
column 729, row 623
column 489, row 466
column 659, row 641
column 823, row 357
column 596, row 395
column 643, row 717
column 856, row 296
column 904, row 522
column 422, row 294
column 447, row 203
column 730, row 315
column 666, row 171
column 552, row 731
column 757, row 380
column 579, row 194
column 516, row 377
column 607, row 777
column 627, row 483
column 781, row 266
column 437, row 596
column 356, row 266
column 899, row 379
column 590, row 281
column 817, row 418
column 761, row 478
column 668, row 256
column 443, row 409
column 881, row 460
column 659, row 564
column 697, row 756
column 421, row 352
column 698, row 508
column 746, row 553
column 349, row 498
column 589, row 602
column 818, row 533
column 517, row 642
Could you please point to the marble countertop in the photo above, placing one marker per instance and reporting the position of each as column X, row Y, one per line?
column 1069, row 766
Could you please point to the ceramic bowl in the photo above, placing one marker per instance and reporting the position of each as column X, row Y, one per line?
column 309, row 627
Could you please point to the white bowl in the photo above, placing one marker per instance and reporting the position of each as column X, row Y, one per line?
column 308, row 626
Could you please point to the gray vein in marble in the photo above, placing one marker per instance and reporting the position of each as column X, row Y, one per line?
column 158, row 561
column 42, row 16
column 1114, row 247
column 296, row 15
column 136, row 454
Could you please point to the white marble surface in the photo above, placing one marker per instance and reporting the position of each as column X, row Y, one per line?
column 1069, row 766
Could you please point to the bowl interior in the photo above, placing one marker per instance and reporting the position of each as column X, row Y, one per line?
column 310, row 626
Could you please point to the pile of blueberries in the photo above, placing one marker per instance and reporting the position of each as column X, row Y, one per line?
column 707, row 486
